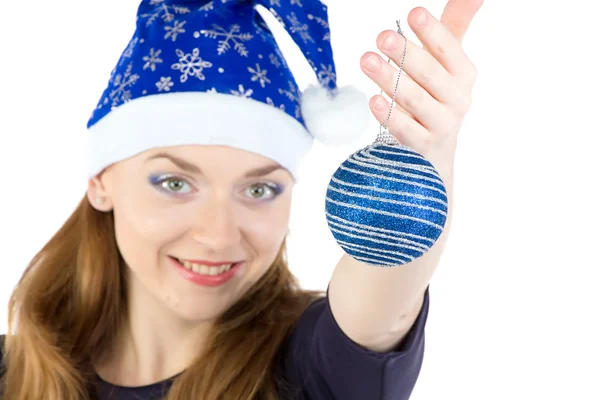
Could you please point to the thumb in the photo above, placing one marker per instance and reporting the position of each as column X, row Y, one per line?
column 458, row 14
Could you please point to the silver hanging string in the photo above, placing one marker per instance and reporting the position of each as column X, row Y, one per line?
column 384, row 135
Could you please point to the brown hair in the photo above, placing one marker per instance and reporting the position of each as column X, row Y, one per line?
column 71, row 300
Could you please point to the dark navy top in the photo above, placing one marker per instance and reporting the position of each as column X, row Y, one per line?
column 322, row 363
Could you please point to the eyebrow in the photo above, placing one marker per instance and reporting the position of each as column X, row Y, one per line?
column 192, row 168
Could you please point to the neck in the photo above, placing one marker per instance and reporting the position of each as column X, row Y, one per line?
column 153, row 344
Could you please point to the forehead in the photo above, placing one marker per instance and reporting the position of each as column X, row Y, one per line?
column 213, row 159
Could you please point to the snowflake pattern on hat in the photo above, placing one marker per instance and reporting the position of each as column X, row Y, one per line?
column 221, row 46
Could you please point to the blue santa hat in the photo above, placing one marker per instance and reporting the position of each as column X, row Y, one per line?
column 210, row 72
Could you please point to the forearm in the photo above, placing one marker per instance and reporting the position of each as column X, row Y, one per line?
column 376, row 306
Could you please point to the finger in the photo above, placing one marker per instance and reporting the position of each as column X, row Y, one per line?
column 458, row 14
column 396, row 108
column 409, row 95
column 421, row 66
column 404, row 128
column 442, row 45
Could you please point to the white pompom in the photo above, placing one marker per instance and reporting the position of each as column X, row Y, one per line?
column 339, row 120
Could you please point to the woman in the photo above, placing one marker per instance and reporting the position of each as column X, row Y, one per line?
column 170, row 278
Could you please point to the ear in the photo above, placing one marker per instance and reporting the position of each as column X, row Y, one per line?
column 98, row 195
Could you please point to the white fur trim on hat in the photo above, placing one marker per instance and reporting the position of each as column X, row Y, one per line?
column 205, row 118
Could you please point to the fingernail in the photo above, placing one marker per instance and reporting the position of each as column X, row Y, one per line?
column 372, row 63
column 391, row 42
column 422, row 20
column 379, row 104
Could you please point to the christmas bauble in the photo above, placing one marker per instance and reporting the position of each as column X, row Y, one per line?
column 386, row 205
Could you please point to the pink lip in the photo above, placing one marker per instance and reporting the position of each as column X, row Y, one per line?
column 206, row 280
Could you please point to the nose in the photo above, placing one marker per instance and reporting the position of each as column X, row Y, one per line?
column 216, row 227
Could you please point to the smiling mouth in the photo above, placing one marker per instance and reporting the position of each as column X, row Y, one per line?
column 205, row 269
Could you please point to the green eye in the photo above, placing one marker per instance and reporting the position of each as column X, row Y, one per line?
column 174, row 184
column 262, row 191
column 258, row 191
column 171, row 185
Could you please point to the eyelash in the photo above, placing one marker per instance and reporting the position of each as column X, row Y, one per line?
column 159, row 183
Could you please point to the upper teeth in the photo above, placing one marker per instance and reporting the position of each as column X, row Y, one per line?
column 203, row 269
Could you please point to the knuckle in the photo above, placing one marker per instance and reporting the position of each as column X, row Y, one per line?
column 471, row 74
column 427, row 74
column 414, row 99
column 439, row 49
column 464, row 104
column 474, row 72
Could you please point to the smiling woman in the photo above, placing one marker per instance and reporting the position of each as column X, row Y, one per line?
column 170, row 279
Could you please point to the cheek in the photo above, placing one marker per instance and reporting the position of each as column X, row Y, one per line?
column 266, row 229
column 142, row 229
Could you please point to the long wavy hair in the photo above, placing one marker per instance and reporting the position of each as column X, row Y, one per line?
column 72, row 299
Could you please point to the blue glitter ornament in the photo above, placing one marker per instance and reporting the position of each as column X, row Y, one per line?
column 386, row 205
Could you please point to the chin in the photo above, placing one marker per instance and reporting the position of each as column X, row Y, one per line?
column 196, row 312
column 191, row 301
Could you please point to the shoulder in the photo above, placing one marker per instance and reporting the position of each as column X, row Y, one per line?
column 318, row 322
column 319, row 358
column 306, row 321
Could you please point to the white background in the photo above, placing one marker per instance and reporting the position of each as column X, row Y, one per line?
column 515, row 302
